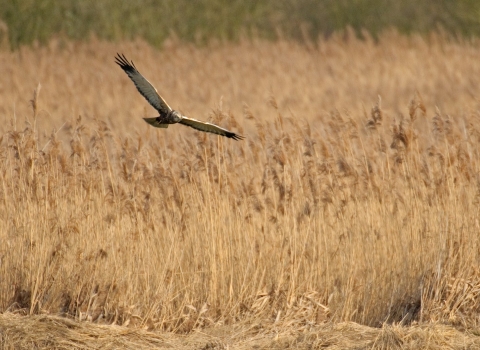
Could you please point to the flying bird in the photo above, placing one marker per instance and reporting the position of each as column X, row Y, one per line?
column 167, row 115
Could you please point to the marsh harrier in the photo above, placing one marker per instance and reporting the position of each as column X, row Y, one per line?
column 167, row 115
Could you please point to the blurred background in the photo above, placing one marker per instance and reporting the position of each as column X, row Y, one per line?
column 23, row 22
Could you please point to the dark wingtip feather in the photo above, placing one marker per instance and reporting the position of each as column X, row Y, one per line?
column 234, row 136
column 122, row 61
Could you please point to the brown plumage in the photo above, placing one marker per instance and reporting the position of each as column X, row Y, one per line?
column 167, row 114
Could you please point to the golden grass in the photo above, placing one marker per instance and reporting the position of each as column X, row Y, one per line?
column 339, row 206
column 53, row 332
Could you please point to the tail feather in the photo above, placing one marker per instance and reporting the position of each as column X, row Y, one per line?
column 154, row 122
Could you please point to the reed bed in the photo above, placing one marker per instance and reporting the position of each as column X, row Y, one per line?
column 353, row 198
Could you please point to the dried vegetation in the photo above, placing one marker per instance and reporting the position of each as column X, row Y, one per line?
column 354, row 197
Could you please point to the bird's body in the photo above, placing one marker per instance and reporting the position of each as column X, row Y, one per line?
column 167, row 115
column 162, row 121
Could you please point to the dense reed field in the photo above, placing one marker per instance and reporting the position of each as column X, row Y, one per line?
column 353, row 198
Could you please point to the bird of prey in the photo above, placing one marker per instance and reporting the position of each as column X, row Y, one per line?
column 167, row 114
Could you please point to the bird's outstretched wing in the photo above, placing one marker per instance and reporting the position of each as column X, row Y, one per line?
column 208, row 127
column 143, row 85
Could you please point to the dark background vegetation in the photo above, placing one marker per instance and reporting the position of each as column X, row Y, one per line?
column 29, row 21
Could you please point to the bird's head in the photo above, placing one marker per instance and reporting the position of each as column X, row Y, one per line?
column 176, row 116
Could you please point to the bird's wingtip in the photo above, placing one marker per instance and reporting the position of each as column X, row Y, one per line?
column 236, row 137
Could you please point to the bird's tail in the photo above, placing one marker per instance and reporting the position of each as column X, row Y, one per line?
column 154, row 122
